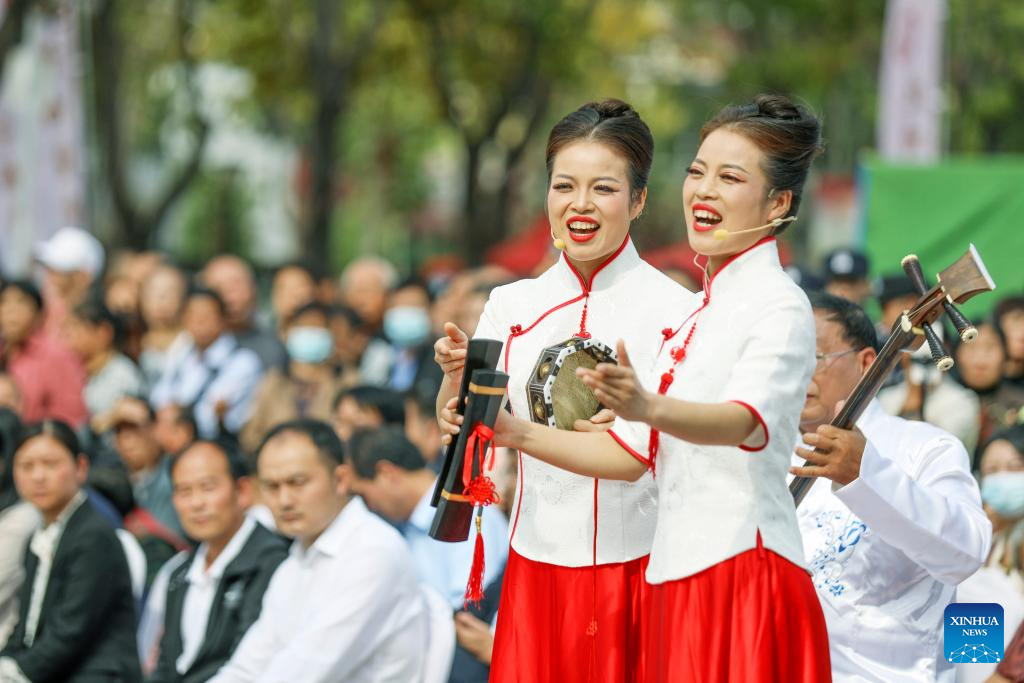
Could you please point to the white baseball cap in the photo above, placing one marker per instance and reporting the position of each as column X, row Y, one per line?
column 71, row 249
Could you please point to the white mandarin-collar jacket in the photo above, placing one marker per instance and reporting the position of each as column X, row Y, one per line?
column 888, row 549
column 554, row 511
column 754, row 345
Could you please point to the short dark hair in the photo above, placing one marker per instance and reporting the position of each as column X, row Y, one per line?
column 198, row 292
column 26, row 287
column 1013, row 435
column 311, row 307
column 367, row 447
column 96, row 313
column 355, row 321
column 787, row 133
column 613, row 123
column 323, row 436
column 385, row 401
column 855, row 323
column 1008, row 304
column 238, row 466
column 56, row 429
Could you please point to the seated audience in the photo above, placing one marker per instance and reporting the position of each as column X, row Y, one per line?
column 234, row 280
column 216, row 594
column 76, row 617
column 93, row 335
column 391, row 476
column 306, row 387
column 1009, row 316
column 49, row 378
column 212, row 375
column 161, row 300
column 345, row 605
column 366, row 407
column 149, row 469
column 979, row 366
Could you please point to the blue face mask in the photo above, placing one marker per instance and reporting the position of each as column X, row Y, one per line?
column 309, row 344
column 1004, row 492
column 407, row 326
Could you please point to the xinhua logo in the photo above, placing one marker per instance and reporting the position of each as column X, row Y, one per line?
column 974, row 632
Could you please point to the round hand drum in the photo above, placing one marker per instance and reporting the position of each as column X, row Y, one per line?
column 557, row 397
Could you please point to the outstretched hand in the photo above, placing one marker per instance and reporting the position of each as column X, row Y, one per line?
column 450, row 352
column 618, row 387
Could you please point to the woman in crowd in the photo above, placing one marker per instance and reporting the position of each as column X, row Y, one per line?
column 730, row 598
column 76, row 614
column 1001, row 467
column 980, row 367
column 572, row 597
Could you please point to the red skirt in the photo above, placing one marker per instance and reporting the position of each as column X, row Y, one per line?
column 753, row 618
column 544, row 632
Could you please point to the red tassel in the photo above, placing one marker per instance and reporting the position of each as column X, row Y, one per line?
column 475, row 586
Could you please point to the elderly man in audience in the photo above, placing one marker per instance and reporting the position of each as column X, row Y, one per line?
column 345, row 605
column 213, row 374
column 233, row 279
column 893, row 523
column 216, row 594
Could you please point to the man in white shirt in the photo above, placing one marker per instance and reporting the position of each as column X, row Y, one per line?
column 214, row 375
column 345, row 605
column 392, row 478
column 893, row 524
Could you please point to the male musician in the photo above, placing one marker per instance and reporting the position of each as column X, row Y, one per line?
column 893, row 524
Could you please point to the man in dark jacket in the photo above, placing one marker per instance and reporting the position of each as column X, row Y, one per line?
column 76, row 618
column 215, row 595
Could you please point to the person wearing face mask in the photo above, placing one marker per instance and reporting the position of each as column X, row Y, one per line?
column 405, row 362
column 307, row 386
column 574, row 593
column 1001, row 579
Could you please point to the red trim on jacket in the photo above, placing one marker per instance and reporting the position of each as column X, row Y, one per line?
column 585, row 285
column 757, row 416
column 628, row 448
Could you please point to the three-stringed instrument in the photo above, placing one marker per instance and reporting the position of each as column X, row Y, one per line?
column 966, row 278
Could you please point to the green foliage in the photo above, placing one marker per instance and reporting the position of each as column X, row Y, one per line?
column 457, row 94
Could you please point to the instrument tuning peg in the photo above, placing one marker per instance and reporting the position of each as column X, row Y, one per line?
column 912, row 267
column 938, row 351
column 964, row 328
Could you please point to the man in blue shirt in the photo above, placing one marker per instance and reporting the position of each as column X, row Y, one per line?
column 393, row 479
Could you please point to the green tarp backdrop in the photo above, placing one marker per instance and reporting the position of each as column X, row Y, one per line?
column 936, row 211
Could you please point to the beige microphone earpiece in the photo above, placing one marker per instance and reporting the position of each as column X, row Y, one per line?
column 722, row 233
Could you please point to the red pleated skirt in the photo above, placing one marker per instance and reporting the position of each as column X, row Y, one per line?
column 753, row 618
column 543, row 633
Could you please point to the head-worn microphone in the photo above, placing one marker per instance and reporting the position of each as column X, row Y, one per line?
column 722, row 233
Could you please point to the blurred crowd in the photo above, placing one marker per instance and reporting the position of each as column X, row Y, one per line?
column 176, row 408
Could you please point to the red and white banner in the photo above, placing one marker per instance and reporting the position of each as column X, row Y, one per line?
column 42, row 165
column 910, row 97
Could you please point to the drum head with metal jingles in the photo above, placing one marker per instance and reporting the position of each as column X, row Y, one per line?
column 557, row 397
